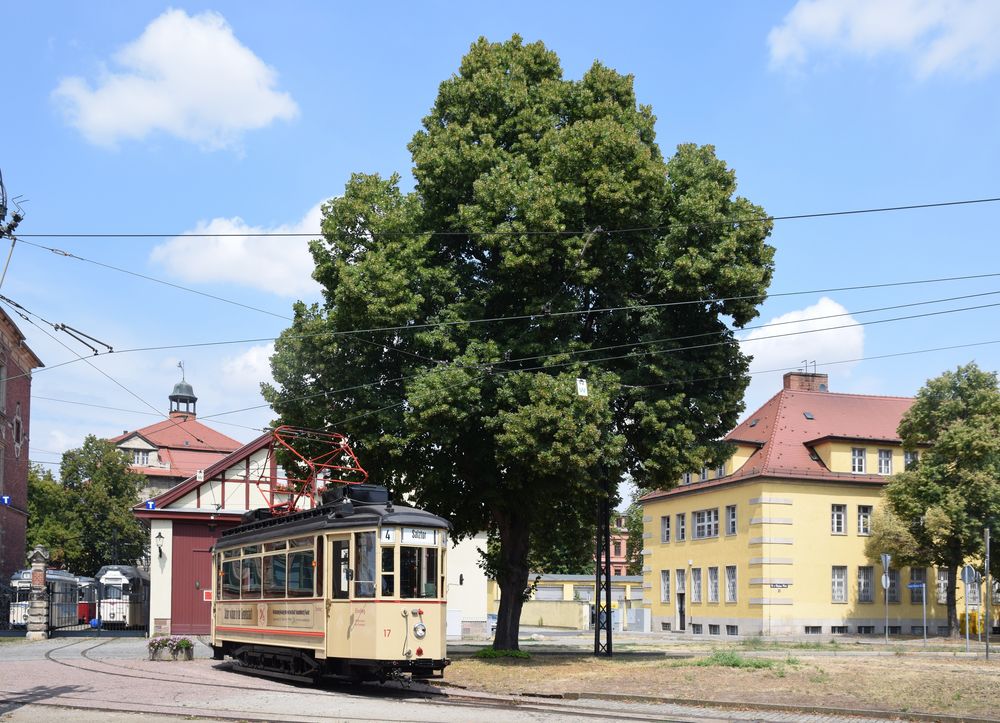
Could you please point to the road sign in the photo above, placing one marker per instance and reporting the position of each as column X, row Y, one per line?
column 886, row 559
column 915, row 585
column 778, row 585
column 885, row 581
column 5, row 500
column 969, row 575
column 581, row 387
column 150, row 504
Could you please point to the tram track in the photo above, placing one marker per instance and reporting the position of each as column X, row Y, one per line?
column 449, row 698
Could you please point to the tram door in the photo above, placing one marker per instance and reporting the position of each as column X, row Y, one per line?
column 338, row 614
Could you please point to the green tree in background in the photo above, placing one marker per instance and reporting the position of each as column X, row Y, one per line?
column 937, row 510
column 86, row 518
column 543, row 202
column 633, row 549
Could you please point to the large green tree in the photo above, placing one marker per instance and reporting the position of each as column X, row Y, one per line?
column 86, row 517
column 540, row 203
column 938, row 508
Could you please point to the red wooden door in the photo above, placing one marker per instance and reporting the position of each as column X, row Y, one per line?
column 190, row 613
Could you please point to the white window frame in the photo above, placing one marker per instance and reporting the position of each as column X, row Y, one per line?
column 706, row 523
column 838, row 584
column 720, row 471
column 910, row 458
column 730, row 519
column 687, row 478
column 731, row 584
column 865, row 519
column 664, row 586
column 665, row 528
column 681, row 531
column 918, row 574
column 885, row 461
column 866, row 584
column 695, row 584
column 858, row 455
column 713, row 584
column 704, row 474
column 942, row 585
column 838, row 519
column 140, row 457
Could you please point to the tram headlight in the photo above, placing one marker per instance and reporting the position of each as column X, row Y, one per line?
column 419, row 630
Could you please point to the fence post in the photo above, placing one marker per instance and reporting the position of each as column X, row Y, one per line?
column 38, row 604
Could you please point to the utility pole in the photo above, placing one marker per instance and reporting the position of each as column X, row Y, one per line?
column 989, row 591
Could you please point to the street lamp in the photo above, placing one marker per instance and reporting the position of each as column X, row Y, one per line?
column 159, row 544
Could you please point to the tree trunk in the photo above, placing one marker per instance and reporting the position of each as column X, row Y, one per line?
column 512, row 577
column 953, row 566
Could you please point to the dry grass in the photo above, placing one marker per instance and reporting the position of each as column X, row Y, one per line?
column 896, row 683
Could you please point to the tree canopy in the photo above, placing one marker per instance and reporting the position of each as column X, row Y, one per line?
column 547, row 239
column 938, row 508
column 85, row 519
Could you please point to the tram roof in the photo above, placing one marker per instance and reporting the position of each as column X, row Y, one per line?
column 330, row 517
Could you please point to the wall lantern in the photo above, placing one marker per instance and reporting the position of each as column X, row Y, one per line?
column 159, row 543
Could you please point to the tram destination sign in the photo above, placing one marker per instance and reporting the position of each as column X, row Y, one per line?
column 418, row 536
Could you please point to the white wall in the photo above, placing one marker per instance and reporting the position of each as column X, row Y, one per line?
column 160, row 571
column 470, row 596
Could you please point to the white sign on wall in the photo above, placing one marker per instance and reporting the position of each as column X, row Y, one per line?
column 419, row 536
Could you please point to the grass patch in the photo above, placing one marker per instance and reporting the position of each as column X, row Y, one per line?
column 491, row 654
column 732, row 659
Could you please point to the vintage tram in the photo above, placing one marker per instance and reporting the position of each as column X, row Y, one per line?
column 123, row 596
column 62, row 595
column 86, row 607
column 354, row 587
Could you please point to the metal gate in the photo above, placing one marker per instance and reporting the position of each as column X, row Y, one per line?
column 6, row 599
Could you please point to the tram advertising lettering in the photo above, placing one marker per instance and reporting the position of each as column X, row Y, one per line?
column 237, row 614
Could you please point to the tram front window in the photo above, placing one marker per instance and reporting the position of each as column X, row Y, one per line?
column 418, row 572
column 364, row 564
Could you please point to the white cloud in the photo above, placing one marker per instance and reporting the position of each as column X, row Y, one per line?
column 276, row 264
column 935, row 35
column 247, row 370
column 792, row 347
column 187, row 76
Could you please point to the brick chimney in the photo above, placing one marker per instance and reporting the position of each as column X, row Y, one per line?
column 806, row 382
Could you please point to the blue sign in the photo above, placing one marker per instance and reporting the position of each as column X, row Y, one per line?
column 915, row 585
column 150, row 504
column 5, row 499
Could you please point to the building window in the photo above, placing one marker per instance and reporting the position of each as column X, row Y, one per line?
column 665, row 528
column 838, row 580
column 713, row 629
column 721, row 471
column 665, row 586
column 866, row 579
column 858, row 460
column 704, row 473
column 616, row 571
column 838, row 629
column 918, row 575
column 696, row 628
column 910, row 458
column 713, row 584
column 3, row 388
column 687, row 478
column 942, row 585
column 731, row 583
column 731, row 519
column 618, row 548
column 695, row 584
column 885, row 461
column 732, row 630
column 893, row 591
column 140, row 457
column 681, row 526
column 679, row 580
column 706, row 523
column 916, row 630
column 665, row 627
column 866, row 630
column 895, row 630
column 864, row 519
column 813, row 629
column 838, row 519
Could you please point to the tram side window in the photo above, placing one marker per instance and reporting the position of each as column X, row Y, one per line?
column 364, row 564
column 418, row 572
column 339, row 565
column 300, row 574
column 231, row 580
column 388, row 578
column 274, row 575
column 250, row 579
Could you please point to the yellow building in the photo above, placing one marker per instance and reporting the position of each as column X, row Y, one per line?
column 772, row 542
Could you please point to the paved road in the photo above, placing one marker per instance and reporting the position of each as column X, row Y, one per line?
column 109, row 679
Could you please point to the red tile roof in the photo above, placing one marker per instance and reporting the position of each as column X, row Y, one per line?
column 183, row 433
column 785, row 435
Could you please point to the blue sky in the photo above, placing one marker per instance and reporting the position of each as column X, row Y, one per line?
column 135, row 117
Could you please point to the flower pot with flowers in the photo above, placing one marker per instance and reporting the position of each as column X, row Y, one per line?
column 173, row 647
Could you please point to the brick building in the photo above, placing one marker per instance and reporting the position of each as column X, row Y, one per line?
column 16, row 364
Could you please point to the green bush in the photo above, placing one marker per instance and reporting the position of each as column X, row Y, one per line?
column 732, row 659
column 491, row 654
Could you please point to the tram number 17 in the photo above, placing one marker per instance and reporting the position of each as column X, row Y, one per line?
column 386, row 632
